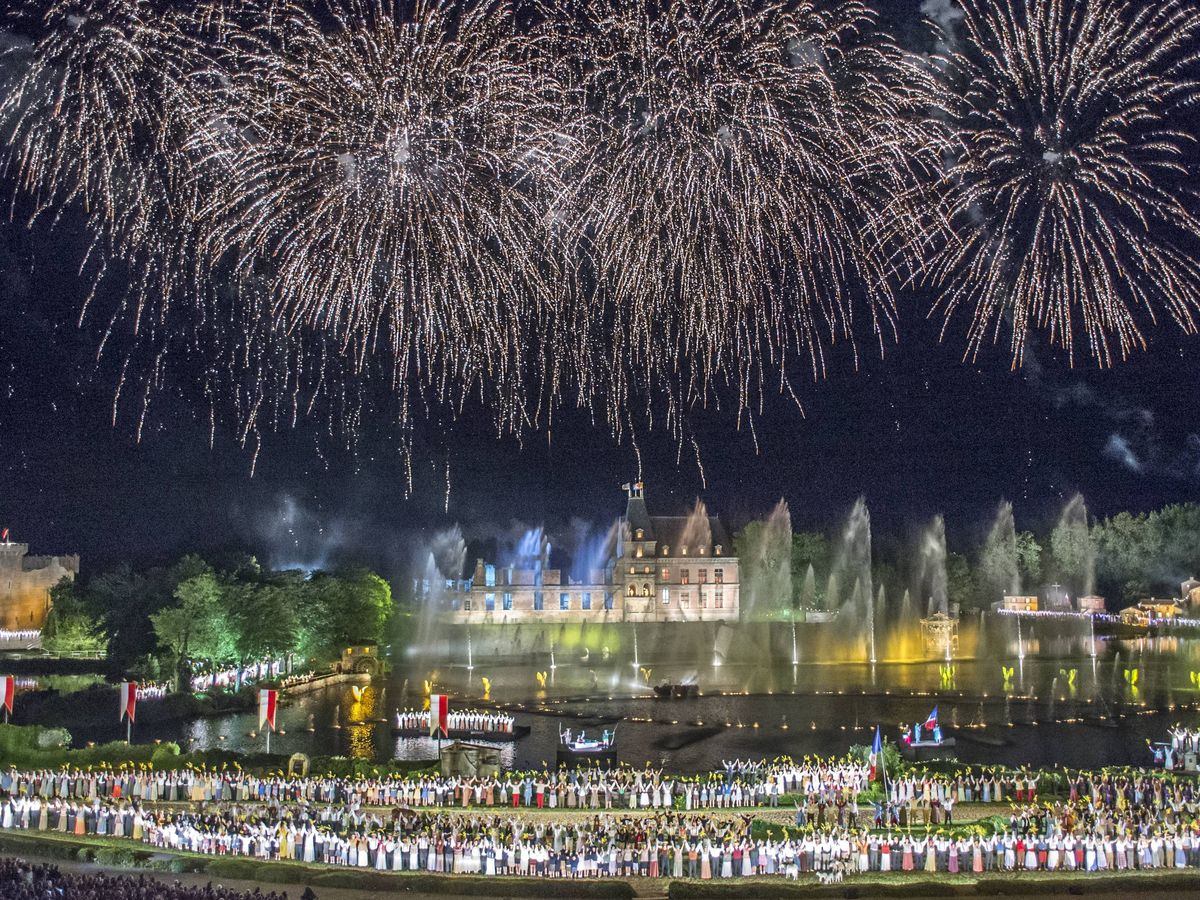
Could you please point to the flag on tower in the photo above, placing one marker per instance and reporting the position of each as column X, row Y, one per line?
column 266, row 707
column 439, row 715
column 8, row 687
column 128, row 700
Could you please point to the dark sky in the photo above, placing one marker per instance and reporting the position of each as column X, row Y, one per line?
column 917, row 432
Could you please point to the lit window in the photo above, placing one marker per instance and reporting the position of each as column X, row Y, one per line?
column 666, row 575
column 639, row 534
column 719, row 576
column 645, row 590
column 666, row 596
column 489, row 576
column 717, row 550
column 701, row 551
column 564, row 601
column 638, row 552
column 703, row 576
column 683, row 550
column 632, row 570
column 683, row 576
column 666, row 551
column 489, row 602
column 719, row 597
column 507, row 600
column 631, row 590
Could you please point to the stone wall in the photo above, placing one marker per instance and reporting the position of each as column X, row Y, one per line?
column 25, row 583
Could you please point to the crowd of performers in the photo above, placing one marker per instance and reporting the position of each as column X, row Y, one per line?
column 21, row 880
column 457, row 720
column 737, row 785
column 1097, row 821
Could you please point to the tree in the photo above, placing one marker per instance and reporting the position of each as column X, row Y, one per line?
column 266, row 620
column 1029, row 559
column 69, row 628
column 810, row 548
column 197, row 628
column 961, row 585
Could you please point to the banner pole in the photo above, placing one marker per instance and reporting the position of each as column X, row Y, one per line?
column 129, row 730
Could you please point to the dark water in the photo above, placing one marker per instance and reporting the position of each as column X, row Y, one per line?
column 1103, row 714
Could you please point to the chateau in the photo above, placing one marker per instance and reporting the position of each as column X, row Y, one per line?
column 25, row 583
column 655, row 569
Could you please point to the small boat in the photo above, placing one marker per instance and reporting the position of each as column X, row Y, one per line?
column 680, row 691
column 463, row 734
column 929, row 751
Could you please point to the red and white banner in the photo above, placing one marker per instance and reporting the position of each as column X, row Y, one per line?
column 439, row 715
column 128, row 700
column 8, row 687
column 266, row 707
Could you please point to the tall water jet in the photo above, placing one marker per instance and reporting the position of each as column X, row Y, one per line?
column 852, row 565
column 1071, row 546
column 808, row 588
column 439, row 570
column 766, row 564
column 933, row 567
column 998, row 562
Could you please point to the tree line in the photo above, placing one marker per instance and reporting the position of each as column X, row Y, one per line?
column 167, row 620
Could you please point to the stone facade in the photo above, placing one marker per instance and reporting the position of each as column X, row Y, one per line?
column 657, row 569
column 25, row 583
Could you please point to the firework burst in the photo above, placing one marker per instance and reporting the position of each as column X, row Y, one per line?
column 734, row 203
column 1066, row 192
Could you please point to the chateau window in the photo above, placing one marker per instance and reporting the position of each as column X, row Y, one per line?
column 645, row 590
column 719, row 576
column 508, row 600
column 489, row 602
column 638, row 551
column 666, row 551
column 717, row 550
column 683, row 598
column 666, row 574
column 701, row 551
column 639, row 534
column 586, row 602
column 631, row 590
column 466, row 606
column 608, row 600
column 666, row 596
column 683, row 550
column 719, row 597
column 539, row 600
column 703, row 576
column 489, row 576
column 645, row 570
column 683, row 576
column 632, row 570
column 703, row 600
column 564, row 601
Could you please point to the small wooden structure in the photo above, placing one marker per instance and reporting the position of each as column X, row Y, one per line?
column 360, row 659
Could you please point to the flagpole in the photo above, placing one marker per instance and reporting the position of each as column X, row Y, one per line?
column 129, row 730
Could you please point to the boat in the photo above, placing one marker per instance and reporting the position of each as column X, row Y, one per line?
column 680, row 691
column 473, row 736
column 929, row 751
column 575, row 751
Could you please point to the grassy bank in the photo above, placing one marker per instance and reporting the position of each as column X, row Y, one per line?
column 119, row 853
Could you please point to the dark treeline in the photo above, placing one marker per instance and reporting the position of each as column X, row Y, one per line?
column 165, row 620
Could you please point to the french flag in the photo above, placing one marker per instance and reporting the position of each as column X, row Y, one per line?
column 8, row 687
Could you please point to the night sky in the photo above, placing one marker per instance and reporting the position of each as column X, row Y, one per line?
column 918, row 431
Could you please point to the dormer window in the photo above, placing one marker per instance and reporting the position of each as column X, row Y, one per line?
column 717, row 550
column 639, row 534
column 683, row 551
column 701, row 551
column 666, row 551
